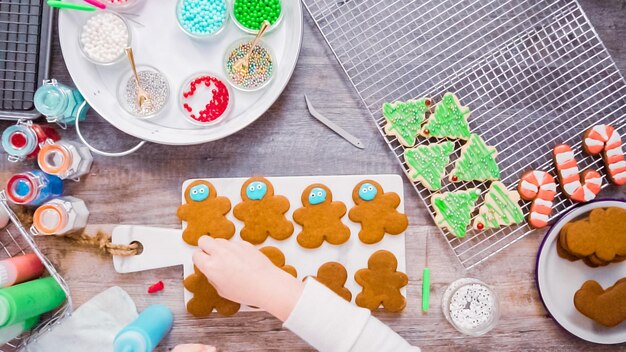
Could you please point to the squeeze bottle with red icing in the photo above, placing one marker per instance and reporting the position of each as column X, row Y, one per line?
column 19, row 269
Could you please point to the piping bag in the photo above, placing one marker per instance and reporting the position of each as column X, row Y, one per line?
column 92, row 327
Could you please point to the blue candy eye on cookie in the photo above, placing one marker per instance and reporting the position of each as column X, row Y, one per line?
column 317, row 196
column 199, row 193
column 256, row 190
column 367, row 192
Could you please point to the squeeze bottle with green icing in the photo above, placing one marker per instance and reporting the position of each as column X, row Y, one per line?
column 30, row 299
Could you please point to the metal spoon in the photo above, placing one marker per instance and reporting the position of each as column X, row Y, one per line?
column 142, row 95
column 241, row 65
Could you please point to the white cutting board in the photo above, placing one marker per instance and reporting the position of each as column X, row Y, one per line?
column 165, row 247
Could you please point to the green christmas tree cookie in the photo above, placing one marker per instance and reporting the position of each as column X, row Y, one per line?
column 449, row 120
column 477, row 162
column 404, row 119
column 500, row 208
column 427, row 163
column 454, row 210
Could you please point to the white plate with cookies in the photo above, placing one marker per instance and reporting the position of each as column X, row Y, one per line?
column 559, row 279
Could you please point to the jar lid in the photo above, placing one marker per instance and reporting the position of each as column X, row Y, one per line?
column 21, row 189
column 49, row 218
column 50, row 100
column 19, row 140
column 54, row 158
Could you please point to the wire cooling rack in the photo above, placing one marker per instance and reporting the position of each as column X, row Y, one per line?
column 25, row 31
column 534, row 73
column 15, row 240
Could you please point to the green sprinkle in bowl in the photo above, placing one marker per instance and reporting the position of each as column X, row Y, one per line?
column 184, row 21
column 241, row 22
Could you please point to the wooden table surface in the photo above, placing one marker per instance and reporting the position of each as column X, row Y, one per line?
column 144, row 189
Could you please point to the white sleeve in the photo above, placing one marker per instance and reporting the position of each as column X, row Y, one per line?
column 329, row 323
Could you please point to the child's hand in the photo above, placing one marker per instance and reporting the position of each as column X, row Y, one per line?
column 194, row 348
column 242, row 274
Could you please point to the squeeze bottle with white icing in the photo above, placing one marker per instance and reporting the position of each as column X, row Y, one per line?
column 60, row 216
column 10, row 332
column 65, row 159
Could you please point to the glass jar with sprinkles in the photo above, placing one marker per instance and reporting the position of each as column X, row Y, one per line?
column 471, row 306
column 153, row 82
column 205, row 99
column 123, row 5
column 248, row 15
column 261, row 65
column 202, row 19
column 103, row 38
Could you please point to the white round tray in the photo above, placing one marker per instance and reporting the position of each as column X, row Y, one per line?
column 159, row 42
column 558, row 280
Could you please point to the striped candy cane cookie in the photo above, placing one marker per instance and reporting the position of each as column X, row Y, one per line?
column 540, row 188
column 570, row 176
column 606, row 140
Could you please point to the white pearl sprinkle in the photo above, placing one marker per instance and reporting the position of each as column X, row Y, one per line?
column 104, row 37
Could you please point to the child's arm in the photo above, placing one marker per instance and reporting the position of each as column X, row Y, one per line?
column 241, row 273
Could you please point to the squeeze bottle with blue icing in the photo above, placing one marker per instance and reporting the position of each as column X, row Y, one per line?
column 146, row 331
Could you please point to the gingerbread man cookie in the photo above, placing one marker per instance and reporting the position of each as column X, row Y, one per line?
column 605, row 307
column 205, row 213
column 381, row 283
column 278, row 258
column 376, row 211
column 205, row 297
column 262, row 212
column 333, row 275
column 320, row 218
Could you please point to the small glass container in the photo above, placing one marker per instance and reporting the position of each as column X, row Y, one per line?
column 124, row 5
column 471, row 306
column 59, row 103
column 270, row 29
column 205, row 99
column 85, row 51
column 262, row 65
column 60, row 216
column 197, row 35
column 153, row 82
column 33, row 188
column 23, row 140
column 65, row 159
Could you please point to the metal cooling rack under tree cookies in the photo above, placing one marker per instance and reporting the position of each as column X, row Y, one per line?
column 534, row 73
column 25, row 32
column 15, row 240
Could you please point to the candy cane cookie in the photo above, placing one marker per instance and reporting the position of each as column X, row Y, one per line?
column 606, row 140
column 540, row 188
column 570, row 176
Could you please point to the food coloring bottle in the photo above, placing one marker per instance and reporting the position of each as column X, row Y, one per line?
column 60, row 216
column 21, row 268
column 60, row 103
column 21, row 141
column 65, row 159
column 33, row 188
column 145, row 332
column 29, row 299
